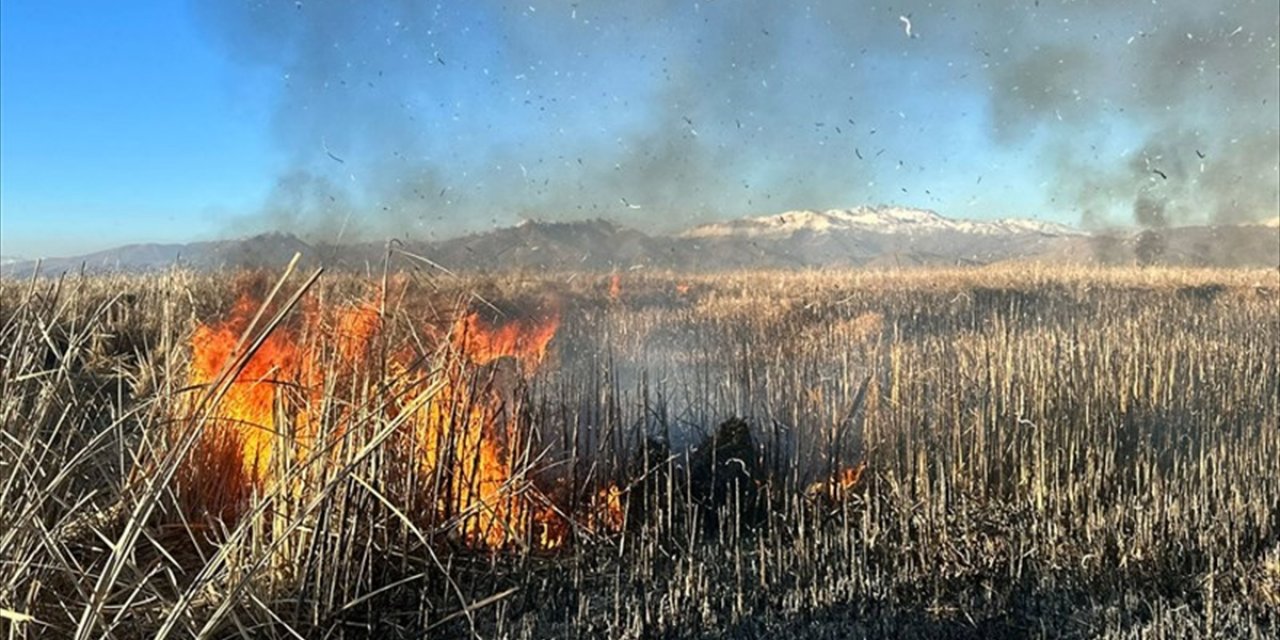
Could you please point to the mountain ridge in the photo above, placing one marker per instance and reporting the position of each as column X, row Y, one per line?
column 857, row 237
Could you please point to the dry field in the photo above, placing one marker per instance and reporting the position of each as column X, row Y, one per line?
column 975, row 453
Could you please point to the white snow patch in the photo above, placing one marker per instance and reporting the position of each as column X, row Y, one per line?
column 885, row 220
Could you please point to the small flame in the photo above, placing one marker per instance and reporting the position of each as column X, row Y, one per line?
column 606, row 515
column 839, row 484
column 615, row 287
column 848, row 478
column 608, row 508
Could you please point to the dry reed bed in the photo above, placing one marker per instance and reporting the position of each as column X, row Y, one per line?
column 1051, row 452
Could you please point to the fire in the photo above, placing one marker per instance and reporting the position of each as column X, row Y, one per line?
column 235, row 453
column 849, row 477
column 471, row 443
column 245, row 420
column 234, row 450
column 615, row 287
column 609, row 513
column 356, row 329
column 606, row 515
column 839, row 484
column 524, row 339
column 472, row 428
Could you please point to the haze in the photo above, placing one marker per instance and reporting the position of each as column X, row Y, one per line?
column 334, row 120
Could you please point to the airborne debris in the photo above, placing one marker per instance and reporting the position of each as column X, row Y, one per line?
column 1160, row 173
column 329, row 153
column 906, row 25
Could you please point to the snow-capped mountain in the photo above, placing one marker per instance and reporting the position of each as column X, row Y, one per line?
column 879, row 220
column 892, row 237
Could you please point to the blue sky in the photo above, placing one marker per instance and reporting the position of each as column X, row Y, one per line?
column 175, row 121
column 120, row 123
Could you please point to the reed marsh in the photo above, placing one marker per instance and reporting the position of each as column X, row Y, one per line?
column 1039, row 452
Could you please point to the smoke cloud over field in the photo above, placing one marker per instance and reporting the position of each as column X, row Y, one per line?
column 403, row 117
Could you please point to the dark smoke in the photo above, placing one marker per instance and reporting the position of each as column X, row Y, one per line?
column 1150, row 213
column 416, row 118
column 1199, row 80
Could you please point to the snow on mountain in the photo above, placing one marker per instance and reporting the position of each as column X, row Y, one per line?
column 881, row 220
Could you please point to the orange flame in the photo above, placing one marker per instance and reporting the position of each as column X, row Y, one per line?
column 468, row 433
column 235, row 453
column 235, row 450
column 609, row 513
column 606, row 515
column 472, row 426
column 525, row 339
column 849, row 477
column 839, row 485
column 615, row 287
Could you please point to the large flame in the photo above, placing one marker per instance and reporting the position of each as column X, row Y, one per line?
column 472, row 427
column 236, row 447
column 471, row 444
column 235, row 453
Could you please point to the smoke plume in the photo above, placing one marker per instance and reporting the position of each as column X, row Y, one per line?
column 397, row 117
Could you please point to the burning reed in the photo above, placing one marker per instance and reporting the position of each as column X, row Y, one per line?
column 288, row 402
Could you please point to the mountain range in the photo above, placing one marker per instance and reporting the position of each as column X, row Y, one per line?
column 857, row 237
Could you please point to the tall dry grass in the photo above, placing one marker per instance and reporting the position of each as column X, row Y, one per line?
column 1048, row 452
